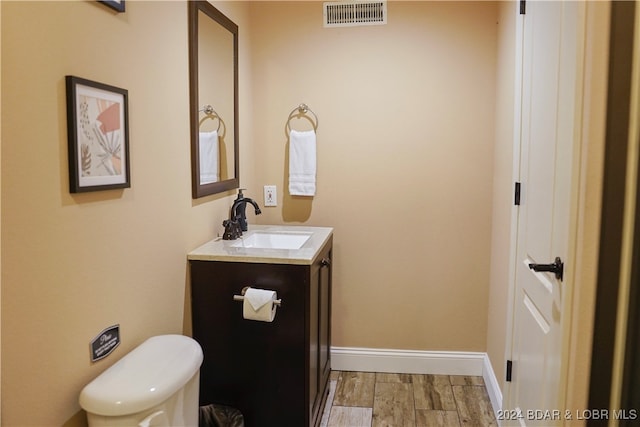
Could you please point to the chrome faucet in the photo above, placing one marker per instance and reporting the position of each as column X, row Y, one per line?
column 237, row 222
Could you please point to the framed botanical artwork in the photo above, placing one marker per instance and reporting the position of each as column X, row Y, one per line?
column 114, row 4
column 98, row 132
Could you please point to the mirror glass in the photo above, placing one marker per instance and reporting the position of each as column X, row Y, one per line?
column 213, row 68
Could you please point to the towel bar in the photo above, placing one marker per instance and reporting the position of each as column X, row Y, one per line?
column 277, row 302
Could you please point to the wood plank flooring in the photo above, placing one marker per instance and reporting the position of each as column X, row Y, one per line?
column 370, row 399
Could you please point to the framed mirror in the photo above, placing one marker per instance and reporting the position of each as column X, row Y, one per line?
column 213, row 91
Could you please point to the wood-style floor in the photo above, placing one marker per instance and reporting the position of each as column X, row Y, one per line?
column 359, row 399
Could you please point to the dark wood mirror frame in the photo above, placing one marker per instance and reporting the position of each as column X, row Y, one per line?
column 201, row 190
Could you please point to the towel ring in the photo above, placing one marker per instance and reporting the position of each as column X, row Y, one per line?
column 209, row 111
column 303, row 109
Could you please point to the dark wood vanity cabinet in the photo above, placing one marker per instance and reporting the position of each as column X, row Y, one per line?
column 277, row 373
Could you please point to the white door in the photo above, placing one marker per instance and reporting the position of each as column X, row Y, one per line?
column 549, row 92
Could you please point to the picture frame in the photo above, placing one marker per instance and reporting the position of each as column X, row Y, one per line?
column 98, row 136
column 117, row 5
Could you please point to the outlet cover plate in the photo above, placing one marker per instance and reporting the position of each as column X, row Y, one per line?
column 270, row 195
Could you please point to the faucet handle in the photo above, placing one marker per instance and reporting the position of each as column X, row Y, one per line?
column 232, row 229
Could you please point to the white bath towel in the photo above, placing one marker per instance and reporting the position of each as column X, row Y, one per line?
column 209, row 162
column 302, row 163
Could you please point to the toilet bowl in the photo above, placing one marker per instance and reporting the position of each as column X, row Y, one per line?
column 156, row 384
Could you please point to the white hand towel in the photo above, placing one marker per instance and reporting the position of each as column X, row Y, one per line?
column 302, row 163
column 209, row 163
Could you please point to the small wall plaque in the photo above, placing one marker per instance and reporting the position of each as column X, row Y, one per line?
column 105, row 343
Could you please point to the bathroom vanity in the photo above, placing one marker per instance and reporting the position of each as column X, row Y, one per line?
column 276, row 373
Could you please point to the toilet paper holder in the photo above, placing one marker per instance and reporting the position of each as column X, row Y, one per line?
column 277, row 302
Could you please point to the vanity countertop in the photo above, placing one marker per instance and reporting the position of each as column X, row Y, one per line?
column 222, row 250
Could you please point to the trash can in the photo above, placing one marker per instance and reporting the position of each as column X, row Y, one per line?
column 214, row 415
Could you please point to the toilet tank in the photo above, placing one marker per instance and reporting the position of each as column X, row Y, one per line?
column 156, row 384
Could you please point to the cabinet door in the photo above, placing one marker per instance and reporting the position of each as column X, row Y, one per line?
column 257, row 367
column 314, row 340
column 319, row 334
column 325, row 320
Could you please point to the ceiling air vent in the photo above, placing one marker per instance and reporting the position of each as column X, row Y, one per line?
column 351, row 14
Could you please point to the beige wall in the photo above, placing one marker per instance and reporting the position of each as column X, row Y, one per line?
column 502, row 188
column 74, row 264
column 405, row 157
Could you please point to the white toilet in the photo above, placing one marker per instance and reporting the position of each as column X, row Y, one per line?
column 156, row 384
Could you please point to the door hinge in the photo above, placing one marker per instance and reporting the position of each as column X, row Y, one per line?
column 516, row 195
column 509, row 368
column 523, row 7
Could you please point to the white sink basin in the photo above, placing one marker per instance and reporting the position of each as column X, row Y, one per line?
column 272, row 240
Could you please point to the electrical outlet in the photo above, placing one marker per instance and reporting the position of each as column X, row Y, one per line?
column 270, row 195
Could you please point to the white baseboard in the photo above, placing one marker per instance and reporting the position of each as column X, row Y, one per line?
column 407, row 361
column 493, row 386
column 419, row 362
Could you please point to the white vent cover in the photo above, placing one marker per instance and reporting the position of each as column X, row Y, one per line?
column 350, row 14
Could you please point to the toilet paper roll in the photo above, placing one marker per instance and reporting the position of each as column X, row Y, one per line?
column 259, row 305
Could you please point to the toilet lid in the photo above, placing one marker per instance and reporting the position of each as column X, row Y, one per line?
column 145, row 377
